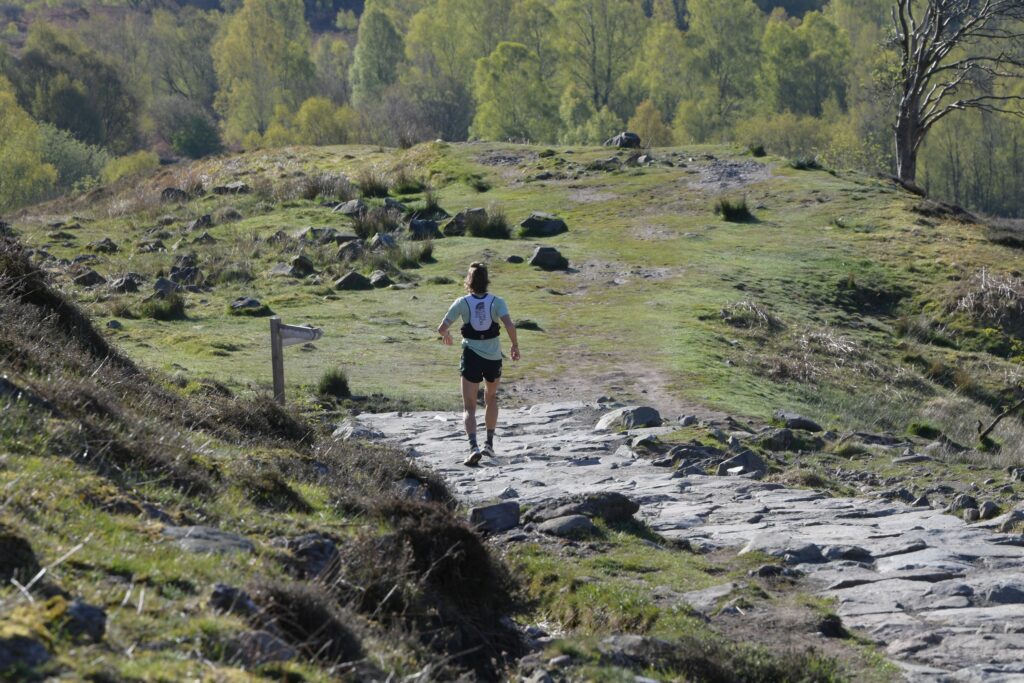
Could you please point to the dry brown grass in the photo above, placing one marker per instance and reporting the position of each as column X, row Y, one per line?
column 995, row 300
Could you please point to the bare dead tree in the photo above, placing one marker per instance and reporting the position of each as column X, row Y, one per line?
column 953, row 55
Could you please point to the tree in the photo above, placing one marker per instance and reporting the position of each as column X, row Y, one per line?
column 599, row 39
column 332, row 59
column 25, row 176
column 318, row 123
column 530, row 115
column 181, row 61
column 187, row 126
column 660, row 68
column 533, row 26
column 648, row 124
column 262, row 63
column 804, row 67
column 954, row 56
column 375, row 63
column 60, row 81
column 724, row 39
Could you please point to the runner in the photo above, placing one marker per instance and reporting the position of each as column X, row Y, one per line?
column 481, row 353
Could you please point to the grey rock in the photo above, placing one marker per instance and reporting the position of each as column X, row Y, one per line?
column 611, row 506
column 382, row 240
column 988, row 510
column 126, row 284
column 352, row 281
column 609, row 164
column 514, row 259
column 350, row 251
column 302, row 265
column 962, row 501
column 314, row 235
column 151, row 246
column 747, row 461
column 831, row 626
column 105, row 246
column 909, row 646
column 230, row 215
column 205, row 238
column 114, row 325
column 629, row 417
column 394, row 205
column 21, row 653
column 173, row 194
column 1010, row 593
column 89, row 278
column 792, row 551
column 498, row 517
column 568, row 526
column 424, row 229
column 637, row 652
column 354, row 207
column 1017, row 474
column 687, row 420
column 508, row 493
column 971, row 515
column 380, row 279
column 256, row 648
column 707, row 599
column 548, row 258
column 776, row 439
column 85, row 622
column 246, row 302
column 646, row 442
column 797, row 421
column 921, row 502
column 232, row 600
column 236, row 187
column 314, row 555
column 163, row 286
column 625, row 140
column 853, row 553
column 350, row 429
column 186, row 275
column 456, row 225
column 201, row 223
column 204, row 539
column 414, row 489
column 542, row 225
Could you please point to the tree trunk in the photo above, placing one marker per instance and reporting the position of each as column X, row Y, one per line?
column 906, row 151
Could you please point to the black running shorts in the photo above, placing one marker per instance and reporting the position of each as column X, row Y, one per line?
column 476, row 369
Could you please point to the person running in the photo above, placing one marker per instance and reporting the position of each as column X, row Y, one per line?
column 481, row 353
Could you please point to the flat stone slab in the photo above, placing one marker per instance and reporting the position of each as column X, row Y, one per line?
column 205, row 539
column 899, row 574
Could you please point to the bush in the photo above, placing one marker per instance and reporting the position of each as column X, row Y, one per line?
column 170, row 307
column 334, row 384
column 372, row 184
column 376, row 220
column 187, row 127
column 492, row 226
column 75, row 161
column 805, row 163
column 924, row 430
column 327, row 185
column 749, row 315
column 733, row 210
column 403, row 182
column 440, row 280
column 757, row 151
column 136, row 164
column 411, row 254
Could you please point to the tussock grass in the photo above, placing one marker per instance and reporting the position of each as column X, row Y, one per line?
column 733, row 210
column 333, row 384
column 376, row 220
column 750, row 315
column 166, row 308
column 493, row 225
column 404, row 181
column 372, row 183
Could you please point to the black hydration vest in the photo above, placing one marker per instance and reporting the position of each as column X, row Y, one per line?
column 471, row 331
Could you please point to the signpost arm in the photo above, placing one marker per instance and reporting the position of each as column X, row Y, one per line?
column 277, row 358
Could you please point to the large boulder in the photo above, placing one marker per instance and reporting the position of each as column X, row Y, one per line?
column 353, row 208
column 302, row 265
column 569, row 526
column 105, row 246
column 499, row 517
column 549, row 258
column 456, row 226
column 611, row 506
column 314, row 235
column 746, row 462
column 90, row 278
column 542, row 225
column 380, row 279
column 126, row 284
column 629, row 417
column 796, row 421
column 350, row 251
column 423, row 229
column 383, row 240
column 624, row 139
column 352, row 281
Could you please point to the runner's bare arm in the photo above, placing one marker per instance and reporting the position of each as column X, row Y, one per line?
column 442, row 329
column 511, row 329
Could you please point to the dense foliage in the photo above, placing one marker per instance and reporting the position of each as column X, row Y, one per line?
column 800, row 78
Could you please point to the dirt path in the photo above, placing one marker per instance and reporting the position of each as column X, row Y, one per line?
column 945, row 598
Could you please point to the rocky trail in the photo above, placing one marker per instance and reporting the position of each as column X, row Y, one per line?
column 943, row 596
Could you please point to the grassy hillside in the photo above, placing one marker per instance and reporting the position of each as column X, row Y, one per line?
column 836, row 298
column 840, row 296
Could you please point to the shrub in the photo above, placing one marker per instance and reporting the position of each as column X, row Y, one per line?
column 404, row 182
column 186, row 126
column 376, row 220
column 924, row 430
column 733, row 210
column 805, row 163
column 440, row 280
column 412, row 254
column 136, row 164
column 334, row 384
column 170, row 307
column 757, row 151
column 372, row 183
column 74, row 160
column 747, row 314
column 326, row 185
column 994, row 299
column 492, row 226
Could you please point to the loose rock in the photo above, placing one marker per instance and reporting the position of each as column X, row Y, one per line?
column 629, row 417
column 89, row 278
column 568, row 526
column 204, row 539
column 496, row 518
column 625, row 140
column 380, row 279
column 548, row 258
column 796, row 421
column 542, row 225
column 353, row 281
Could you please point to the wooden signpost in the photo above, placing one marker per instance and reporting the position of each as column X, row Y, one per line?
column 282, row 335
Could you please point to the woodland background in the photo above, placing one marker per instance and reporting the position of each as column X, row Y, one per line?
column 91, row 92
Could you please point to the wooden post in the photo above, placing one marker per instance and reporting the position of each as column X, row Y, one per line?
column 277, row 358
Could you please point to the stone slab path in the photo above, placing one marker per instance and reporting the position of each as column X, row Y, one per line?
column 946, row 598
